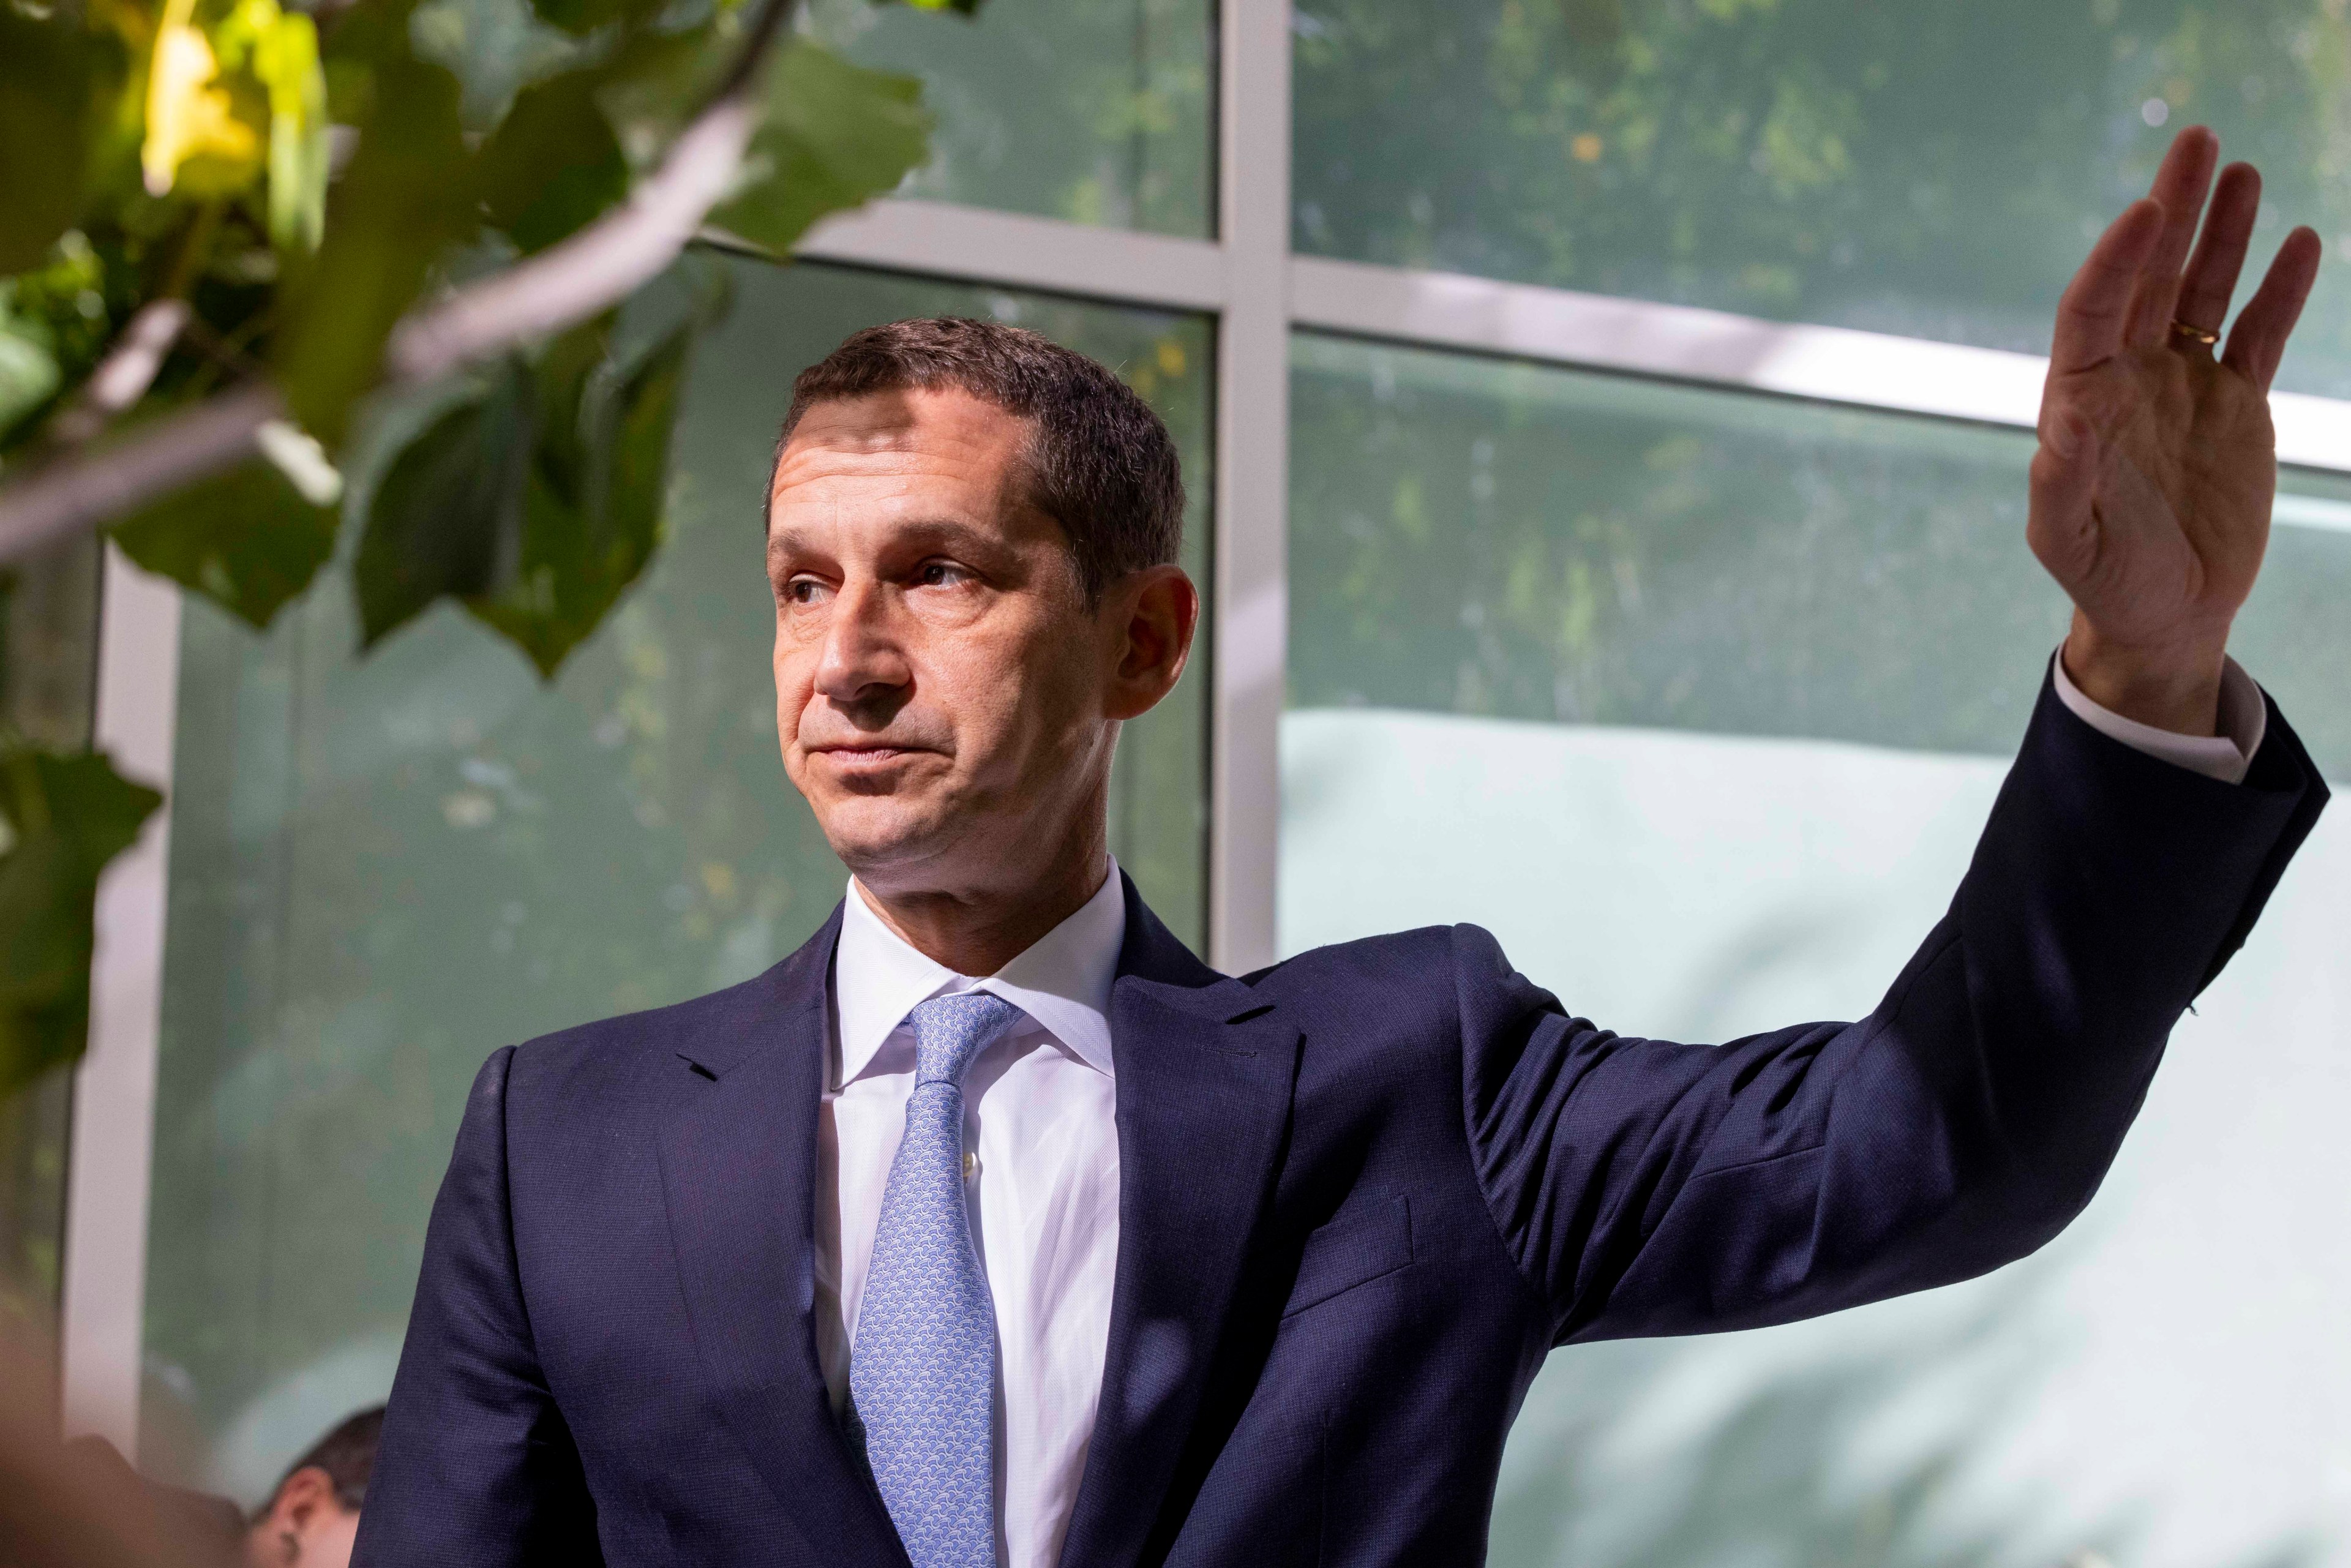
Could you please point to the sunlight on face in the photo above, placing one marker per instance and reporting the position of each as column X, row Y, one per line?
column 940, row 681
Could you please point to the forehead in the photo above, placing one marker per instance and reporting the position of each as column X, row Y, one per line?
column 906, row 438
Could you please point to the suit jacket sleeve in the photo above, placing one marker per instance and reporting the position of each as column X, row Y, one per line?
column 475, row 1465
column 1647, row 1187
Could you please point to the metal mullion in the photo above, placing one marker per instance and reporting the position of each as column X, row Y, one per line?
column 1833, row 364
column 111, row 1145
column 1249, row 655
column 974, row 244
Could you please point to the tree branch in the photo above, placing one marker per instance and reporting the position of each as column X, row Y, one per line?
column 600, row 265
column 122, row 377
column 82, row 491
column 592, row 271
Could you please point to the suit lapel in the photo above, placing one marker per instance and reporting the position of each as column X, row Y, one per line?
column 1205, row 1074
column 738, row 1172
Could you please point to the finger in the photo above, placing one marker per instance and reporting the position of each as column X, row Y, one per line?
column 2090, row 315
column 2258, row 344
column 2181, row 186
column 2219, row 256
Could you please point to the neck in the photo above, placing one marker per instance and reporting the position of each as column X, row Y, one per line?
column 977, row 932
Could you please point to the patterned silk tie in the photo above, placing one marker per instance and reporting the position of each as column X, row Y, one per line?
column 922, row 1372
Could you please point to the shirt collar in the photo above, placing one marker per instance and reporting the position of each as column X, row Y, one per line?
column 1062, row 980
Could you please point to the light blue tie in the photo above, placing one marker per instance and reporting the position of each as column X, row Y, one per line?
column 922, row 1375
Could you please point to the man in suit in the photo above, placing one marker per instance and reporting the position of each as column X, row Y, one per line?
column 993, row 1227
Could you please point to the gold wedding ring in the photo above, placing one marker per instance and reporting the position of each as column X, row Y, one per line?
column 2199, row 333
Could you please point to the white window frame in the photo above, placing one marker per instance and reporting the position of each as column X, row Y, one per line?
column 1257, row 291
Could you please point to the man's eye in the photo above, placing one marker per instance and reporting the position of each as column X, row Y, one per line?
column 939, row 574
column 803, row 591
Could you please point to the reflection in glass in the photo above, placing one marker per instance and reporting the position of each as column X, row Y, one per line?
column 1697, row 701
column 1093, row 111
column 1930, row 171
column 383, row 869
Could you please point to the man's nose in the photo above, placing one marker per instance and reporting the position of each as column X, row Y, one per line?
column 863, row 663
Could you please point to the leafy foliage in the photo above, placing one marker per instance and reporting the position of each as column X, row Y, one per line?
column 835, row 134
column 248, row 540
column 554, row 126
column 406, row 198
column 301, row 180
column 592, row 514
column 56, row 321
column 583, row 18
column 54, row 93
column 197, row 136
column 1094, row 111
column 566, row 459
column 67, row 816
column 427, row 536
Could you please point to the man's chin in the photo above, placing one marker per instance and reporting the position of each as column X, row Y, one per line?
column 875, row 837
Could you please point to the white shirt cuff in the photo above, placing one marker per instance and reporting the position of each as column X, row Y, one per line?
column 2243, row 717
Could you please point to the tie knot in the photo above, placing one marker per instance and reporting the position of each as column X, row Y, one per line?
column 951, row 1031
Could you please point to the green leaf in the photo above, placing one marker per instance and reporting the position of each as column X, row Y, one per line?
column 246, row 540
column 285, row 59
column 446, row 518
column 553, row 164
column 29, row 372
column 67, row 816
column 593, row 514
column 961, row 8
column 56, row 323
column 407, row 196
column 581, row 18
column 835, row 136
column 651, row 86
column 536, row 500
column 58, row 84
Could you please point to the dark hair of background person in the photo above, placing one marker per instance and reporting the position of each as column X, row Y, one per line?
column 348, row 1456
column 1100, row 461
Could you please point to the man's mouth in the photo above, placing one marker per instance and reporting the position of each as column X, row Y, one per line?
column 866, row 753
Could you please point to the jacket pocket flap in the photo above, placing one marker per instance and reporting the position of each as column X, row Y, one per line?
column 1356, row 1247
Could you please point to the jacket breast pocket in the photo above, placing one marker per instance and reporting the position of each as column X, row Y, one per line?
column 1358, row 1246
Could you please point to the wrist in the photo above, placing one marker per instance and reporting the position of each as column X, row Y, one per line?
column 2173, row 687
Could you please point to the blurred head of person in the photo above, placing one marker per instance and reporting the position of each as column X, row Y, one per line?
column 312, row 1517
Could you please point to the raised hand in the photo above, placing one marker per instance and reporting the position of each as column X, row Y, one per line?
column 2151, row 492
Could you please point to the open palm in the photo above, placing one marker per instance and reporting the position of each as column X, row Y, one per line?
column 2151, row 491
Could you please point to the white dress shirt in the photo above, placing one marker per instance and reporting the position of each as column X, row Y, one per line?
column 1040, row 1124
column 2243, row 719
column 1042, row 1120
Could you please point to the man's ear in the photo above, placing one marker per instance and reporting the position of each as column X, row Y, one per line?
column 302, row 1497
column 1152, row 616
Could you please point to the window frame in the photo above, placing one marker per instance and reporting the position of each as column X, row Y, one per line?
column 1257, row 293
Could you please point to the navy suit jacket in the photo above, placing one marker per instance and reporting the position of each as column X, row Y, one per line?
column 1362, row 1195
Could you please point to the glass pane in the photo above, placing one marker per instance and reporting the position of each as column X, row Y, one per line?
column 383, row 869
column 1093, row 110
column 1584, row 659
column 1929, row 170
column 1099, row 112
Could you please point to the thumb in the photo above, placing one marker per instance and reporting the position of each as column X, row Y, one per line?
column 2063, row 483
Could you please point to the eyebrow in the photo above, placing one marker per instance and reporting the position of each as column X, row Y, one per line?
column 951, row 534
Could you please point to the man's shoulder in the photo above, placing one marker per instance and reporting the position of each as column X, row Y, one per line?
column 590, row 1063
column 1420, row 967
